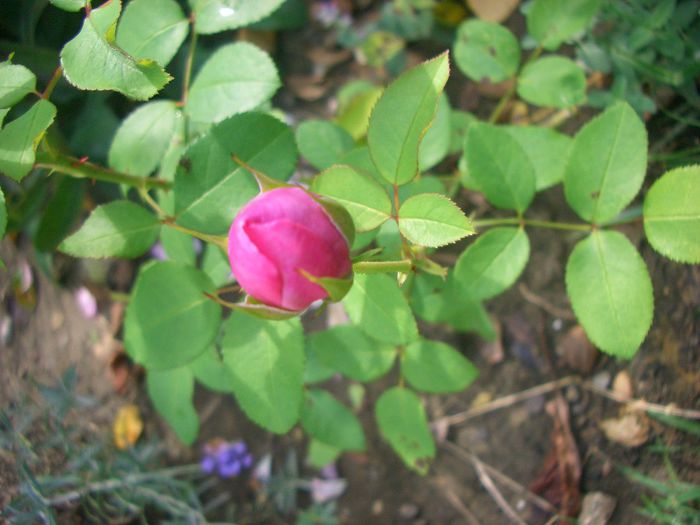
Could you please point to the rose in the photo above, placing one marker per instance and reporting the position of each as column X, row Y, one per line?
column 279, row 235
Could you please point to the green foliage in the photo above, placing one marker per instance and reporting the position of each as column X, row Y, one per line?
column 610, row 292
column 547, row 151
column 210, row 370
column 116, row 229
column 322, row 143
column 436, row 367
column 137, row 79
column 375, row 303
column 16, row 81
column 152, row 29
column 214, row 16
column 219, row 90
column 607, row 164
column 169, row 321
column 672, row 215
column 429, row 219
column 402, row 116
column 436, row 142
column 3, row 214
column 346, row 349
column 266, row 361
column 402, row 422
column 330, row 422
column 171, row 392
column 365, row 199
column 19, row 139
column 552, row 22
column 552, row 81
column 486, row 50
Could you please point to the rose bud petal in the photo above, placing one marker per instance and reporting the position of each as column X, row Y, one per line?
column 275, row 236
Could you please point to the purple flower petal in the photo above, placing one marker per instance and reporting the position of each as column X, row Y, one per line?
column 86, row 302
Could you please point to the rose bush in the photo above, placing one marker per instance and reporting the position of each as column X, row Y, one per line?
column 277, row 235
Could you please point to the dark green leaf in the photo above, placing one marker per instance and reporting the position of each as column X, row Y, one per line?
column 172, row 393
column 69, row 5
column 553, row 22
column 547, row 150
column 16, row 81
column 178, row 246
column 434, row 366
column 60, row 214
column 327, row 420
column 210, row 370
column 322, row 143
column 213, row 16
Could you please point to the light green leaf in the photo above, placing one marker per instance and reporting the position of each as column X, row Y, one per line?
column 266, row 359
column 375, row 303
column 607, row 164
column 366, row 201
column 20, row 138
column 434, row 366
column 178, row 246
column 118, row 71
column 436, row 142
column 552, row 81
column 16, row 81
column 210, row 187
column 553, row 22
column 3, row 214
column 320, row 454
column 210, row 370
column 143, row 138
column 610, row 292
column 236, row 78
column 314, row 370
column 329, row 421
column 402, row 116
column 354, row 115
column 493, row 262
column 3, row 114
column 69, row 5
column 216, row 265
column 116, row 229
column 169, row 321
column 322, row 143
column 431, row 219
column 172, row 393
column 213, row 16
column 152, row 29
column 346, row 349
column 547, row 150
column 402, row 422
column 501, row 168
column 672, row 215
column 486, row 50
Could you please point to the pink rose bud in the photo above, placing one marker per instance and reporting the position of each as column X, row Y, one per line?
column 279, row 233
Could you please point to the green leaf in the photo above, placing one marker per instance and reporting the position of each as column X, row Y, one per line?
column 436, row 142
column 143, row 138
column 178, row 246
column 375, row 303
column 69, row 5
column 221, row 89
column 210, row 370
column 501, row 168
column 16, row 82
column 402, row 116
column 335, row 288
column 117, row 229
column 430, row 219
column 552, row 81
column 607, row 164
column 486, row 50
column 402, row 422
column 366, row 201
column 353, row 116
column 266, row 359
column 169, row 321
column 20, row 138
column 314, row 370
column 3, row 214
column 322, row 143
column 152, row 29
column 547, row 150
column 329, row 421
column 553, row 22
column 60, row 213
column 210, row 187
column 216, row 265
column 493, row 262
column 320, row 454
column 346, row 349
column 213, row 16
column 436, row 367
column 610, row 292
column 172, row 393
column 117, row 71
column 672, row 215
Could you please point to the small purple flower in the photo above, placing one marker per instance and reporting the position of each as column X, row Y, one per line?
column 86, row 302
column 227, row 459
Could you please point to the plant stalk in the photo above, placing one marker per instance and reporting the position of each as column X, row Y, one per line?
column 405, row 266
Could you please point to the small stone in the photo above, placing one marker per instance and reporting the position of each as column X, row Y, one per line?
column 597, row 508
column 408, row 511
column 377, row 507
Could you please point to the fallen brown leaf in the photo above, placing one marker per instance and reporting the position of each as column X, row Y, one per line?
column 493, row 10
column 630, row 429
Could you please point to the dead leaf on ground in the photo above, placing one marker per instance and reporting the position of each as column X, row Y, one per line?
column 560, row 476
column 576, row 350
column 630, row 429
column 622, row 385
column 597, row 508
column 493, row 10
column 309, row 88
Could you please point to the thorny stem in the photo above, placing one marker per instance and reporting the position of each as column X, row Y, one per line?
column 218, row 240
column 404, row 266
column 188, row 62
column 52, row 83
column 82, row 169
column 506, row 98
